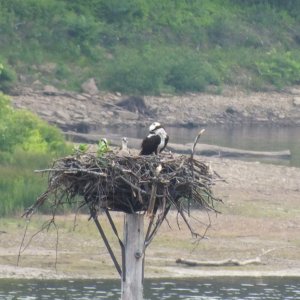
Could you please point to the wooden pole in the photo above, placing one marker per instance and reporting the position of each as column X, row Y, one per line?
column 132, row 281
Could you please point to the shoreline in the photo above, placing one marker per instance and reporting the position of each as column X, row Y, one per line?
column 181, row 273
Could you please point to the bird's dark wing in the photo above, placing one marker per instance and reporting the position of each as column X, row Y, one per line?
column 150, row 144
column 165, row 145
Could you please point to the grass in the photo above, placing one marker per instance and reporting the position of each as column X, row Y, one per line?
column 260, row 209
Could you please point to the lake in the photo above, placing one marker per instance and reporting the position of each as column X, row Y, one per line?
column 231, row 288
column 259, row 138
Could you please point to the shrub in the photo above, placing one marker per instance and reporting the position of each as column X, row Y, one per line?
column 20, row 128
column 190, row 72
column 280, row 69
column 135, row 71
column 26, row 143
column 7, row 78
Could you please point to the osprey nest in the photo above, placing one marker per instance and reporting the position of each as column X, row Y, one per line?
column 129, row 183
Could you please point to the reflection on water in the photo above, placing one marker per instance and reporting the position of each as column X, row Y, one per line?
column 209, row 289
column 244, row 137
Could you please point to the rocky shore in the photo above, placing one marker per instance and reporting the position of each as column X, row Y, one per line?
column 82, row 112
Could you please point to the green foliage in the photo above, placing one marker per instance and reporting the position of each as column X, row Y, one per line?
column 79, row 149
column 280, row 69
column 26, row 143
column 19, row 187
column 25, row 130
column 103, row 147
column 136, row 71
column 191, row 72
column 148, row 47
column 150, row 71
column 7, row 78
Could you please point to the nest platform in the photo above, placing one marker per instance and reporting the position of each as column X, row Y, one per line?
column 129, row 183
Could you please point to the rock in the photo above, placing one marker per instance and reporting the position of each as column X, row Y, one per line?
column 81, row 97
column 294, row 91
column 37, row 84
column 90, row 87
column 50, row 90
column 62, row 115
column 134, row 104
column 296, row 101
column 171, row 119
column 22, row 78
column 78, row 117
column 47, row 68
column 46, row 113
column 127, row 115
column 61, row 123
column 231, row 110
column 86, row 95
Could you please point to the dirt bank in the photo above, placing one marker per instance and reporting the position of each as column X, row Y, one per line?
column 82, row 112
column 260, row 218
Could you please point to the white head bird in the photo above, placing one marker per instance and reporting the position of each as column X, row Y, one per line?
column 156, row 141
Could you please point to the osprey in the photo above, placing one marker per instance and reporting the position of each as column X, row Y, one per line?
column 124, row 147
column 156, row 141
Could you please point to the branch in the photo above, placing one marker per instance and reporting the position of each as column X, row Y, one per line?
column 72, row 171
column 196, row 141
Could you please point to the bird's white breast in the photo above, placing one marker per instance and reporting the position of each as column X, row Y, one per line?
column 162, row 134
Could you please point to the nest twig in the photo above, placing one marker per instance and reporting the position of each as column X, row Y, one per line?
column 129, row 183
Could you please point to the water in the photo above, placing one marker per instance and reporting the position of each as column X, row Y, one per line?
column 271, row 288
column 256, row 138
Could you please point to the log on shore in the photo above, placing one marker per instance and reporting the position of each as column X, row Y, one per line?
column 219, row 263
column 213, row 150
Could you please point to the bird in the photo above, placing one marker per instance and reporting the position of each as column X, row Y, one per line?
column 124, row 147
column 156, row 141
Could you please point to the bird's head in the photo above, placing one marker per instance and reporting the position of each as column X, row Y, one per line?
column 154, row 126
column 124, row 140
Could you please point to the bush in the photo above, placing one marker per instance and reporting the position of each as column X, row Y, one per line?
column 190, row 72
column 280, row 69
column 7, row 78
column 18, row 188
column 158, row 69
column 23, row 129
column 26, row 143
column 135, row 72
